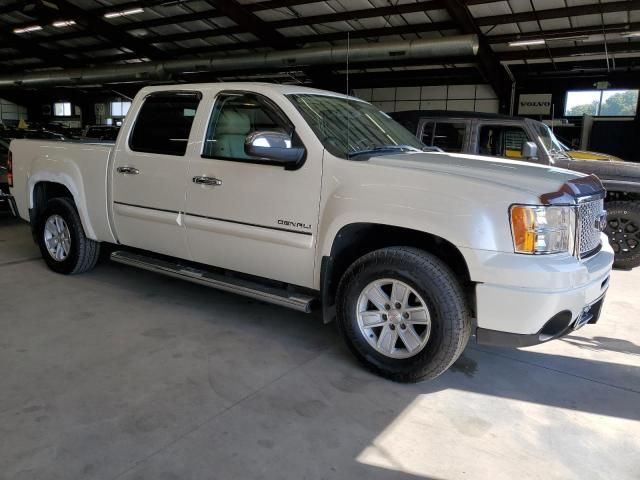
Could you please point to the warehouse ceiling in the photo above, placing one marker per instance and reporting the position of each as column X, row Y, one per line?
column 523, row 39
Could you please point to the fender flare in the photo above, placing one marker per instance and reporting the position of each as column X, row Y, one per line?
column 71, row 184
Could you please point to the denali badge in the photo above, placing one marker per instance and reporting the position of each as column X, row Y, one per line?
column 289, row 223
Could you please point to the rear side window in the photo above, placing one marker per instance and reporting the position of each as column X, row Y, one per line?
column 449, row 136
column 164, row 123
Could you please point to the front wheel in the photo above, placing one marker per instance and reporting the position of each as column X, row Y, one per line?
column 623, row 230
column 403, row 313
column 63, row 244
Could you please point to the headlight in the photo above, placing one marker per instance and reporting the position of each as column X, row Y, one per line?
column 541, row 230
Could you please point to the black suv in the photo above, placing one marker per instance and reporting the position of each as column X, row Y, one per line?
column 519, row 138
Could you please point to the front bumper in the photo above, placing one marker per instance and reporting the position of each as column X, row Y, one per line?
column 558, row 326
column 524, row 300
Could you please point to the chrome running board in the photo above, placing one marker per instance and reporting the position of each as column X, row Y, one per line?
column 248, row 288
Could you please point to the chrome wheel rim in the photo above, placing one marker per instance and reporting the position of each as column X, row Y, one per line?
column 57, row 238
column 393, row 318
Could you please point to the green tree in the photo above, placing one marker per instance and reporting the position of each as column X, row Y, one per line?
column 586, row 109
column 620, row 104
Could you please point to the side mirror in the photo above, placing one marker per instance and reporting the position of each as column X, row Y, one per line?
column 274, row 146
column 530, row 151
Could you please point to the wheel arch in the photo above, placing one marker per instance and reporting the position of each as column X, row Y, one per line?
column 357, row 239
column 42, row 188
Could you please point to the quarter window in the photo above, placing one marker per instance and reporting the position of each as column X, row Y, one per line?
column 236, row 115
column 164, row 123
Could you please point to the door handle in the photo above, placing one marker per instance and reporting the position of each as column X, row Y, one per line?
column 128, row 170
column 204, row 180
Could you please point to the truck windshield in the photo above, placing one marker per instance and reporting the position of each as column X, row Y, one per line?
column 351, row 128
column 549, row 140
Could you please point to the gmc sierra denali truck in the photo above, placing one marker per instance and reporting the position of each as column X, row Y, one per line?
column 524, row 139
column 318, row 201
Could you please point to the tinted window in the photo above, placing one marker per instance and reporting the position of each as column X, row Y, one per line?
column 164, row 123
column 236, row 115
column 502, row 141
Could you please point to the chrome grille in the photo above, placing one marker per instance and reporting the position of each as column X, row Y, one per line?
column 589, row 228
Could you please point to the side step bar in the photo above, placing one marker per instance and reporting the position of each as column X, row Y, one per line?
column 265, row 293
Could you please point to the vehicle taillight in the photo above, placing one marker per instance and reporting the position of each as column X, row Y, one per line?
column 10, row 169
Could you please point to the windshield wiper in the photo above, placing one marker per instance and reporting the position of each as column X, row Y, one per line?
column 384, row 148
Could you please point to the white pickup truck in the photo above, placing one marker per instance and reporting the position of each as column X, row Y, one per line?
column 320, row 202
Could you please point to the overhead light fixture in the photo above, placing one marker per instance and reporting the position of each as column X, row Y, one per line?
column 574, row 38
column 123, row 13
column 525, row 43
column 63, row 23
column 631, row 34
column 32, row 28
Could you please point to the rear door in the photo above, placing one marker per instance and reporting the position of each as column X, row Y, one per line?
column 449, row 135
column 150, row 173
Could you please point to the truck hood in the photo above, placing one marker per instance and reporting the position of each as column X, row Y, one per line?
column 515, row 175
column 627, row 171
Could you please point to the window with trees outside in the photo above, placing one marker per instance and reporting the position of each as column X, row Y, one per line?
column 601, row 103
column 62, row 109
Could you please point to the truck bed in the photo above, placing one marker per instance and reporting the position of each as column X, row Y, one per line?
column 81, row 167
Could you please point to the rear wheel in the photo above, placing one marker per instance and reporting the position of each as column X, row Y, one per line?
column 62, row 241
column 403, row 313
column 623, row 230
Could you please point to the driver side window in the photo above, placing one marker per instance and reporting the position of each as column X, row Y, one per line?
column 235, row 116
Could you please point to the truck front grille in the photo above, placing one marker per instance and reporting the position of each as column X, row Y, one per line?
column 590, row 214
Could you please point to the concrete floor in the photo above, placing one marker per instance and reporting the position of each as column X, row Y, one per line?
column 123, row 374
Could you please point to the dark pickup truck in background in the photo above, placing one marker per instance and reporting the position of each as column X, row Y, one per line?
column 519, row 138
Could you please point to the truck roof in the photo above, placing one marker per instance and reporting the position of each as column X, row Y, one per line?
column 252, row 86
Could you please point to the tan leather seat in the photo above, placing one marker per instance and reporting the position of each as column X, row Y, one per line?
column 231, row 132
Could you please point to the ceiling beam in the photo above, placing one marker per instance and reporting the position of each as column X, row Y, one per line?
column 550, row 13
column 357, row 14
column 583, row 50
column 489, row 66
column 114, row 34
column 564, row 33
column 27, row 49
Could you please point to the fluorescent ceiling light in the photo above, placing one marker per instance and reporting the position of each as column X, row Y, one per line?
column 124, row 13
column 524, row 43
column 64, row 23
column 32, row 28
column 631, row 34
column 574, row 38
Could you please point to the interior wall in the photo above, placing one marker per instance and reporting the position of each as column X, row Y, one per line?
column 615, row 136
column 11, row 113
column 472, row 98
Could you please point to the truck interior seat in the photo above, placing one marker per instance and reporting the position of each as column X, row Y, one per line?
column 231, row 132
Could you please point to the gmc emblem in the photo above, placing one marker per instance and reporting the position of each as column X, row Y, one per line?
column 601, row 222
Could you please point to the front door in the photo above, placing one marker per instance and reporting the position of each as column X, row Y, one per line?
column 497, row 139
column 150, row 172
column 247, row 214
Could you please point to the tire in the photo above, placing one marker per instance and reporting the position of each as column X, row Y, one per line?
column 433, row 284
column 82, row 253
column 623, row 230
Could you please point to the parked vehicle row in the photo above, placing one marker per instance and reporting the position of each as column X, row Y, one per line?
column 528, row 140
column 314, row 200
